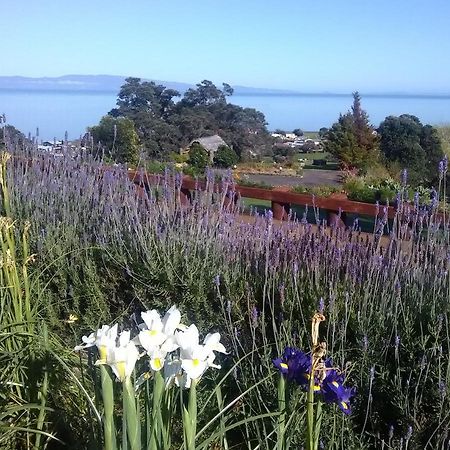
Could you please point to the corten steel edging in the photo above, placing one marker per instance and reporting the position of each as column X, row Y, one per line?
column 281, row 199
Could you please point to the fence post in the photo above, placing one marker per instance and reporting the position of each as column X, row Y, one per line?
column 230, row 199
column 280, row 210
column 184, row 196
column 336, row 219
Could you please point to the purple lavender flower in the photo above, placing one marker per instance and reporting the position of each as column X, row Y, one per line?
column 404, row 177
column 254, row 316
column 416, row 199
column 391, row 432
column 365, row 343
column 321, row 305
column 409, row 433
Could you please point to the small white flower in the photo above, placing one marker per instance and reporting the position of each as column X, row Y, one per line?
column 194, row 361
column 152, row 336
column 103, row 338
column 122, row 358
column 212, row 344
column 160, row 332
column 171, row 321
column 196, row 358
column 157, row 359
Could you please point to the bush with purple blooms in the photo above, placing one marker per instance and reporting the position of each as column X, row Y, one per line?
column 105, row 252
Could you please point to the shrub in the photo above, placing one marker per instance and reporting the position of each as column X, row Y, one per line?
column 225, row 157
column 198, row 157
column 320, row 191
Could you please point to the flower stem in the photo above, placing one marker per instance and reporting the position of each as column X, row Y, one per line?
column 131, row 415
column 282, row 411
column 310, row 414
column 109, row 431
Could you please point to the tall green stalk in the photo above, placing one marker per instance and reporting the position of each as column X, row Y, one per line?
column 190, row 418
column 281, row 441
column 131, row 415
column 109, row 428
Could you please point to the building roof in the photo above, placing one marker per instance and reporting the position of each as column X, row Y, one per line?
column 210, row 143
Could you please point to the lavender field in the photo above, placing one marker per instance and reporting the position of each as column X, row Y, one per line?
column 104, row 254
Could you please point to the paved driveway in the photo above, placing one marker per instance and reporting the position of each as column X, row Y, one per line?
column 311, row 177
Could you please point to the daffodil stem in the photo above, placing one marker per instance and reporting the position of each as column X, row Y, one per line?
column 156, row 421
column 109, row 431
column 282, row 411
column 190, row 418
column 310, row 414
column 317, row 424
column 131, row 415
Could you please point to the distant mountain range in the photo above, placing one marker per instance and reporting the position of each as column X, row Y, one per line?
column 112, row 83
column 106, row 83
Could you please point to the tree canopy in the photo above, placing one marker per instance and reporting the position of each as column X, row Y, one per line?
column 117, row 138
column 352, row 139
column 164, row 125
column 417, row 147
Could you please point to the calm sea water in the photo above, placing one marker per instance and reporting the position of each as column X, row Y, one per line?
column 57, row 112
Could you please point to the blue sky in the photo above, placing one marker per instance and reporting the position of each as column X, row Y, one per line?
column 310, row 46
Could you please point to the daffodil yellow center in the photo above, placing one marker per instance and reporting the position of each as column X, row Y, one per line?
column 344, row 405
column 157, row 363
column 103, row 350
column 195, row 362
column 121, row 368
column 152, row 332
column 284, row 366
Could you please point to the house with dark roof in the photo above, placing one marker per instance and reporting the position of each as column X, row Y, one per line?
column 210, row 143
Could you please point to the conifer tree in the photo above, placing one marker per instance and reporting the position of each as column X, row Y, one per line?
column 352, row 139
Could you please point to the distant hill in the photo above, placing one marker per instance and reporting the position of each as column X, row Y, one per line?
column 105, row 83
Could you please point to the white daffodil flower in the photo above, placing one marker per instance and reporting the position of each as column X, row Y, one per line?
column 103, row 338
column 193, row 355
column 157, row 359
column 122, row 358
column 194, row 361
column 151, row 337
column 212, row 344
column 160, row 332
column 171, row 321
column 187, row 338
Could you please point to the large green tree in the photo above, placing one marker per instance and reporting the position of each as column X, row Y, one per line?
column 352, row 139
column 164, row 126
column 406, row 141
column 150, row 107
column 117, row 138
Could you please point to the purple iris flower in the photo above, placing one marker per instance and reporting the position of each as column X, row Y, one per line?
column 295, row 365
column 334, row 391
